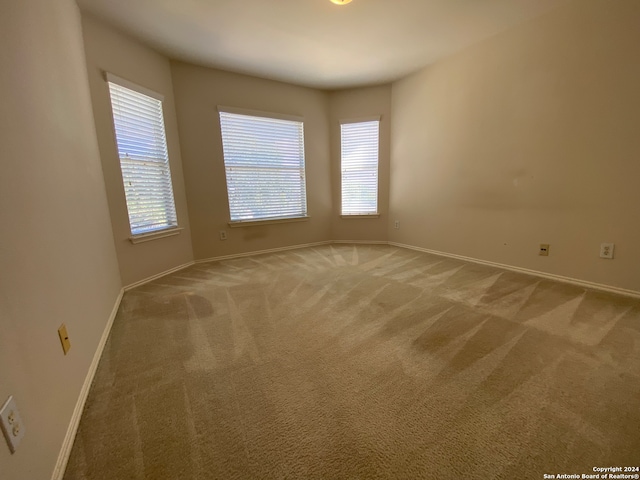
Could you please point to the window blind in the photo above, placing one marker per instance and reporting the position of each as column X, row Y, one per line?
column 264, row 166
column 359, row 153
column 142, row 148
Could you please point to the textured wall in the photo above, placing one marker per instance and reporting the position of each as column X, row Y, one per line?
column 528, row 137
column 108, row 50
column 57, row 257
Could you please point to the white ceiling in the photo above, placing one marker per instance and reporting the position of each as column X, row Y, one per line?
column 314, row 42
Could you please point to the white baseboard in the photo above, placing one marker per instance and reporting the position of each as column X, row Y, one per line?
column 69, row 438
column 260, row 252
column 549, row 276
column 537, row 273
column 157, row 276
column 360, row 242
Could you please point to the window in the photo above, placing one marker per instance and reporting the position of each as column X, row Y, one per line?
column 144, row 162
column 359, row 153
column 264, row 166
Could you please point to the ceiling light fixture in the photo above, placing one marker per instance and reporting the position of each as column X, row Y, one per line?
column 340, row 2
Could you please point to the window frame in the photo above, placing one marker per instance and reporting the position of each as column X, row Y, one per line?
column 359, row 215
column 304, row 216
column 172, row 226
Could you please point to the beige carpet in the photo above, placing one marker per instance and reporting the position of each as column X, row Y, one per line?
column 362, row 362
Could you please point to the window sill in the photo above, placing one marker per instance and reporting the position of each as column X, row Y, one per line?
column 147, row 237
column 366, row 215
column 255, row 223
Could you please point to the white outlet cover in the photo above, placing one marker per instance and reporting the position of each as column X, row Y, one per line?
column 12, row 424
column 606, row 250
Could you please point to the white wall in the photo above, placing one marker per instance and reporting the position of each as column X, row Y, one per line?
column 108, row 50
column 57, row 259
column 352, row 104
column 528, row 137
column 198, row 92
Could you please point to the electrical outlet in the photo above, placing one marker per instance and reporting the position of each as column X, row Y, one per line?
column 223, row 234
column 606, row 250
column 397, row 224
column 64, row 338
column 544, row 249
column 11, row 423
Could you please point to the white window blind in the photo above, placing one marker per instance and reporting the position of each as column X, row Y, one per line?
column 264, row 165
column 359, row 148
column 142, row 148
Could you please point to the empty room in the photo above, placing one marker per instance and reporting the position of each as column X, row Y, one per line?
column 323, row 239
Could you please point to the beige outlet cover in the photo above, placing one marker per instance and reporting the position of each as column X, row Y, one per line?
column 64, row 338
